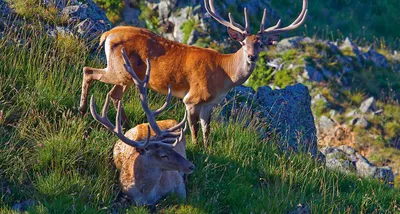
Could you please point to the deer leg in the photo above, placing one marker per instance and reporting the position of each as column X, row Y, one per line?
column 89, row 75
column 193, row 111
column 116, row 94
column 205, row 118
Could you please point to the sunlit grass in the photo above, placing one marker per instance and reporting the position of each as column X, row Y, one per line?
column 62, row 160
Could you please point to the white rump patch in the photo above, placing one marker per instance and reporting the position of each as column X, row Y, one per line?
column 107, row 48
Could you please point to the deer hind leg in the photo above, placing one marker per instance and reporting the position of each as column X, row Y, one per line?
column 194, row 112
column 116, row 94
column 89, row 75
column 205, row 118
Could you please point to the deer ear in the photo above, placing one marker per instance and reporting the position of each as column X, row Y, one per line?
column 236, row 35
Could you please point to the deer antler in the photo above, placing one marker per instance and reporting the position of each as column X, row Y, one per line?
column 142, row 87
column 231, row 24
column 166, row 137
column 276, row 30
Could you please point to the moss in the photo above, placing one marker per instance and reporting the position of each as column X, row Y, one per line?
column 289, row 55
column 112, row 7
column 320, row 107
column 283, row 78
column 34, row 10
column 150, row 17
column 187, row 29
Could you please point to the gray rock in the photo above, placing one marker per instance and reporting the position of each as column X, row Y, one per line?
column 360, row 122
column 378, row 59
column 348, row 44
column 5, row 10
column 348, row 160
column 318, row 98
column 91, row 29
column 385, row 175
column 64, row 31
column 352, row 113
column 288, row 114
column 289, row 43
column 76, row 13
column 325, row 124
column 312, row 74
column 368, row 105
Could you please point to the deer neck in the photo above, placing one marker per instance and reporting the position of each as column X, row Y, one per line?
column 147, row 177
column 237, row 67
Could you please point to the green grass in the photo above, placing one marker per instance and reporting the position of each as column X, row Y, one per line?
column 368, row 21
column 62, row 160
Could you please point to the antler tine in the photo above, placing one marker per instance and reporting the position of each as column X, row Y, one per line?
column 233, row 22
column 179, row 125
column 262, row 26
column 182, row 134
column 117, row 130
column 129, row 69
column 299, row 21
column 303, row 10
column 163, row 107
column 246, row 20
column 211, row 10
column 101, row 119
column 142, row 88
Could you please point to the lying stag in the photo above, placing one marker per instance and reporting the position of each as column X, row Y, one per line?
column 150, row 161
column 200, row 76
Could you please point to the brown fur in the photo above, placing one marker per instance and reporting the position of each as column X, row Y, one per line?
column 139, row 177
column 200, row 76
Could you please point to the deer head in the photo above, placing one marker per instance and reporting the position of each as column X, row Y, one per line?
column 253, row 44
column 158, row 148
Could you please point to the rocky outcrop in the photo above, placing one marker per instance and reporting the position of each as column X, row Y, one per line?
column 348, row 160
column 187, row 21
column 286, row 114
column 85, row 20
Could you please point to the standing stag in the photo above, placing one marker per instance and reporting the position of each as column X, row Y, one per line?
column 150, row 161
column 200, row 76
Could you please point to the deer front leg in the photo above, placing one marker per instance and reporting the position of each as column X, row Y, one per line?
column 194, row 112
column 205, row 118
column 89, row 75
column 116, row 94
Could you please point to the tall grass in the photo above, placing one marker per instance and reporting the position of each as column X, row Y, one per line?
column 62, row 160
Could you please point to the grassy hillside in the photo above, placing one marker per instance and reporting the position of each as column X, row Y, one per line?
column 62, row 160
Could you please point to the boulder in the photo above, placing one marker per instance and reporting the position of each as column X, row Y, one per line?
column 348, row 44
column 368, row 105
column 326, row 125
column 360, row 122
column 348, row 160
column 376, row 58
column 289, row 43
column 286, row 114
column 75, row 13
column 5, row 10
column 90, row 28
column 312, row 74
